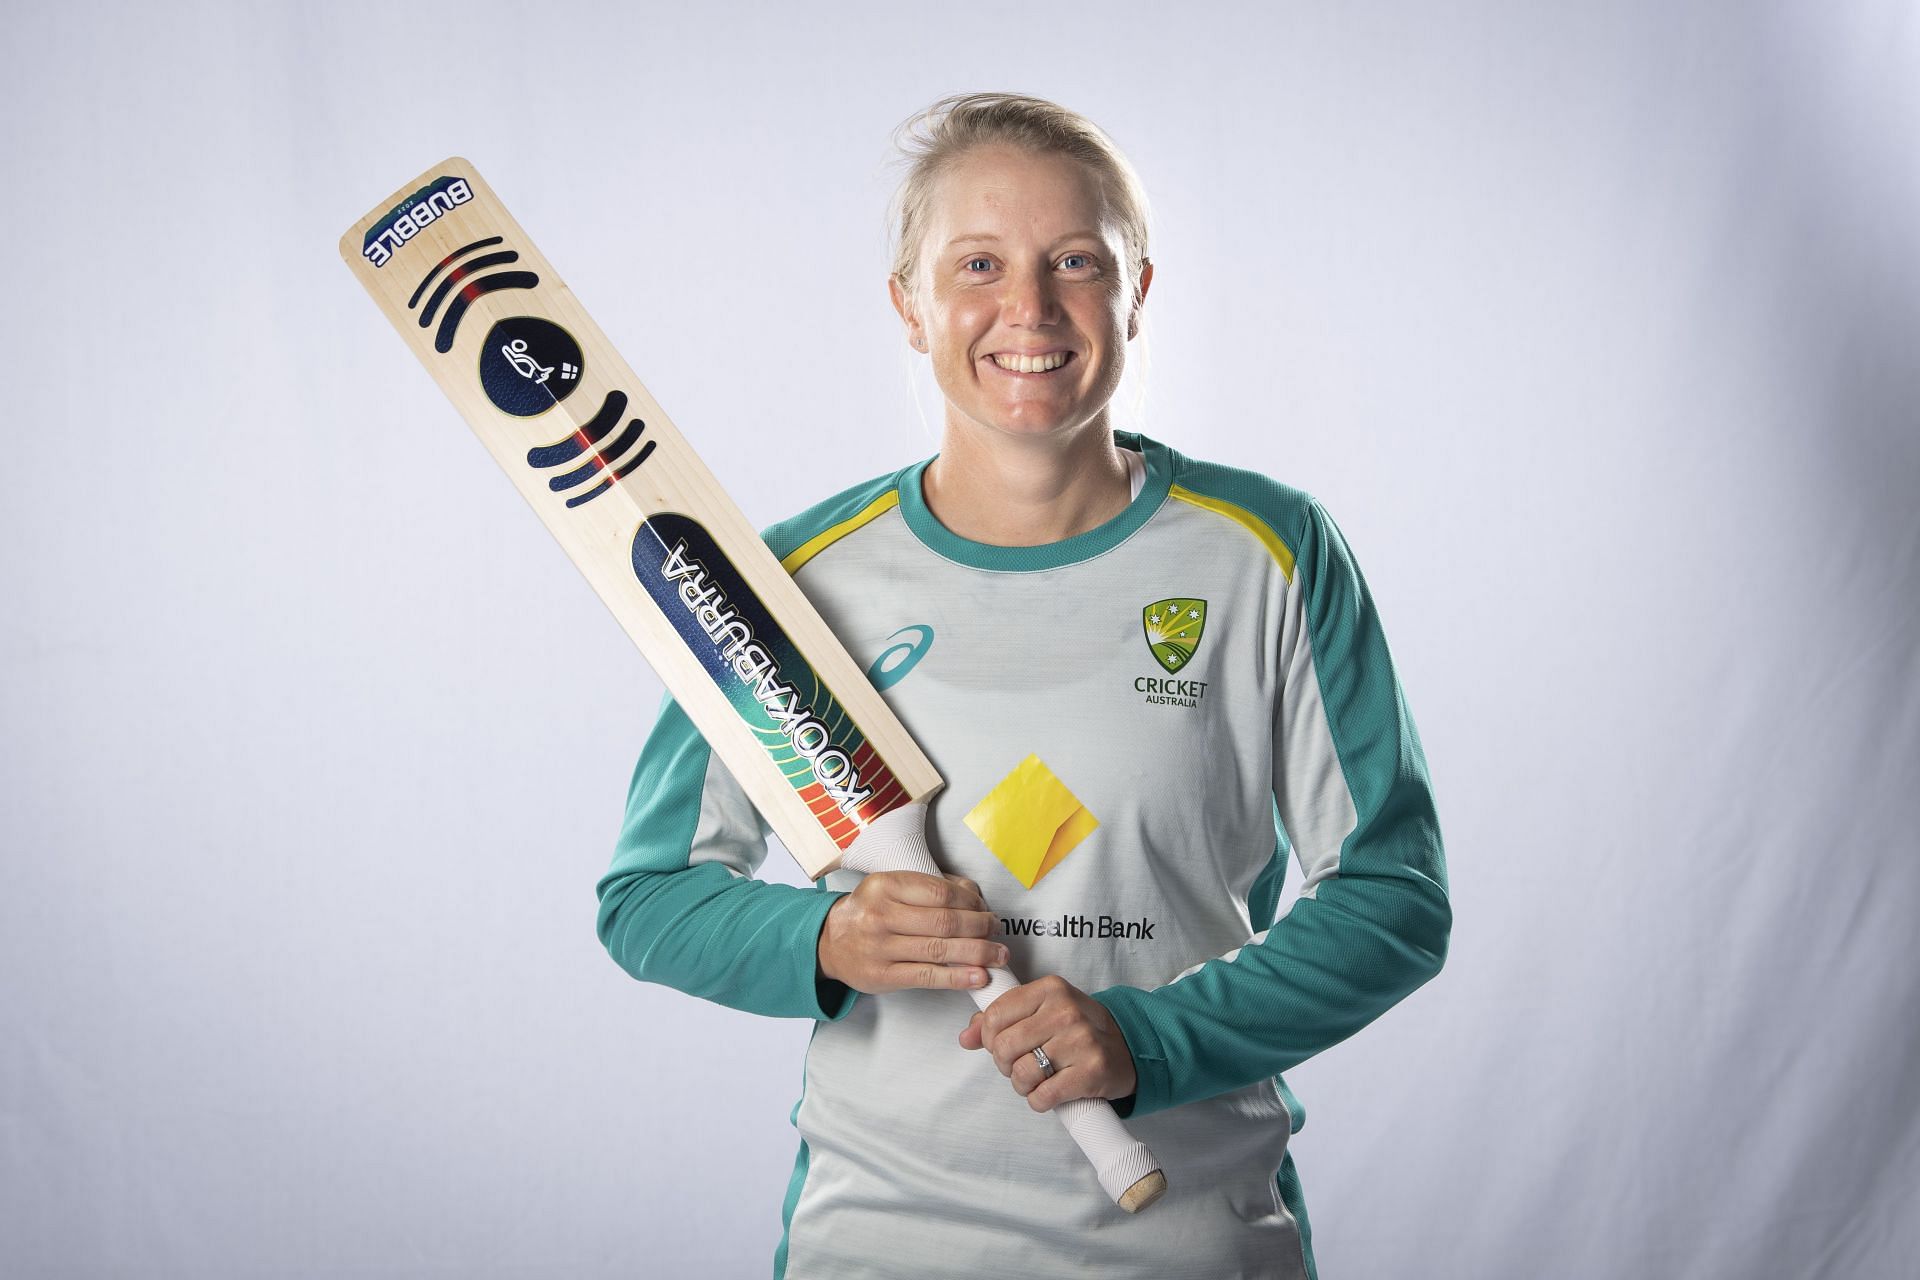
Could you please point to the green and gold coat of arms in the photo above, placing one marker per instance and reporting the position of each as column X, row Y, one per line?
column 1173, row 630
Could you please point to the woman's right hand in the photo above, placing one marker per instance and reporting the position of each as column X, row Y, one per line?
column 901, row 929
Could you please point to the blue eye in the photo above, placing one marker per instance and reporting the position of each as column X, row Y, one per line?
column 972, row 261
column 1068, row 261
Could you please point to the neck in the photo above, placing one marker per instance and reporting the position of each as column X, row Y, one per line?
column 1019, row 491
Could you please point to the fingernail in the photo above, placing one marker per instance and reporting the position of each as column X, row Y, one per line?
column 1000, row 957
column 979, row 979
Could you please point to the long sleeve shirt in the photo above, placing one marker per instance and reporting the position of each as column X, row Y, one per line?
column 1136, row 726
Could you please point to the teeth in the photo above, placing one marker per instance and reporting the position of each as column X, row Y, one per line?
column 1031, row 364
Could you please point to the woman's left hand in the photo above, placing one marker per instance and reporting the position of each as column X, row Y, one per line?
column 1089, row 1054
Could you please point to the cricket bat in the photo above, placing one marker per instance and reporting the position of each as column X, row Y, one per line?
column 756, row 668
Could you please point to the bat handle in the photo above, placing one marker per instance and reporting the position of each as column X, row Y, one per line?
column 897, row 841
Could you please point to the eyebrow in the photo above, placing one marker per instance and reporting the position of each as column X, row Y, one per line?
column 985, row 236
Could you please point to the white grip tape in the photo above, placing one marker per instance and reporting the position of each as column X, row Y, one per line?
column 897, row 841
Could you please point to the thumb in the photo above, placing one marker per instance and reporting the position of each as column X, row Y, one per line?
column 970, row 1034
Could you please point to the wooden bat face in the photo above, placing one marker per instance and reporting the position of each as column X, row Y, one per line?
column 734, row 640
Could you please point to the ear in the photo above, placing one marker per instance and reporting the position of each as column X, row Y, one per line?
column 904, row 305
column 1139, row 298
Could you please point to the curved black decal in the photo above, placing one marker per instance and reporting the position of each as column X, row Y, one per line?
column 443, row 341
column 462, row 251
column 608, row 483
column 599, row 459
column 460, row 273
column 561, row 452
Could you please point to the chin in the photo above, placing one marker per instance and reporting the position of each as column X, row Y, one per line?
column 1037, row 428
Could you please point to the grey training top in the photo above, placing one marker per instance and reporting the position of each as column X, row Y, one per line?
column 1135, row 725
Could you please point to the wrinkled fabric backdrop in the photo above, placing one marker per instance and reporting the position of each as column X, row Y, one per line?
column 1593, row 325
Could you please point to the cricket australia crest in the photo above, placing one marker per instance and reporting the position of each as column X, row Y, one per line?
column 1173, row 630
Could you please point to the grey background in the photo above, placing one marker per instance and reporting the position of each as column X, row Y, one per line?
column 1592, row 324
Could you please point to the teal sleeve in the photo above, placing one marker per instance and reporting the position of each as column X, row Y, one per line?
column 1373, row 919
column 680, row 905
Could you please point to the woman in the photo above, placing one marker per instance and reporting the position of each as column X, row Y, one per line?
column 1143, row 677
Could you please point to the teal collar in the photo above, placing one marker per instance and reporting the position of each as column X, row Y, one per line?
column 1048, row 555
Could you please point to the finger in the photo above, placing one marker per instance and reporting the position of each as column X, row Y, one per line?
column 973, row 951
column 1065, row 1085
column 1016, row 1044
column 969, row 885
column 1008, row 1012
column 1010, row 1009
column 1028, row 1074
column 921, row 890
column 941, row 922
column 887, row 888
column 938, row 977
column 970, row 1034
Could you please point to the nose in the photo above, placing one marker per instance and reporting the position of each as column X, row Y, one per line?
column 1029, row 300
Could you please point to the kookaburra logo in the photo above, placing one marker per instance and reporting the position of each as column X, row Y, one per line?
column 527, row 367
column 757, row 669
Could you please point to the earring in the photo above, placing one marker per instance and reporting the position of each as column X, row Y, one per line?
column 920, row 344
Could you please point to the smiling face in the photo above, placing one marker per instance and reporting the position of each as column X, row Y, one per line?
column 1021, row 296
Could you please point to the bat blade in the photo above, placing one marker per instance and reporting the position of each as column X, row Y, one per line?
column 745, row 653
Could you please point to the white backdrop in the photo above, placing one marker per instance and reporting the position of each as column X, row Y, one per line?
column 1593, row 325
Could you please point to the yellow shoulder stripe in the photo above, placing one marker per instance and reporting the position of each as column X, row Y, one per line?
column 819, row 542
column 1241, row 516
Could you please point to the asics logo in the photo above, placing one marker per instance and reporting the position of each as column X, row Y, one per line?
column 899, row 658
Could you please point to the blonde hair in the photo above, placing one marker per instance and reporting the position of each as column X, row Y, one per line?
column 933, row 140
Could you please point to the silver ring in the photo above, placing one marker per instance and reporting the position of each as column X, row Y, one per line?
column 1046, row 1063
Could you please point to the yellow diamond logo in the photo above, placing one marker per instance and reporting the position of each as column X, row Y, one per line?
column 1030, row 821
